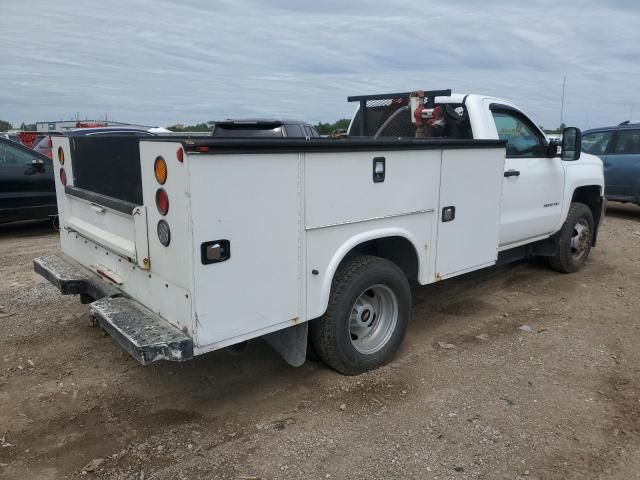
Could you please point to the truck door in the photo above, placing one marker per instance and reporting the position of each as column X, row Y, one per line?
column 533, row 184
column 622, row 166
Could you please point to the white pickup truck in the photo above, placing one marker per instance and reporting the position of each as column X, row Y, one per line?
column 187, row 245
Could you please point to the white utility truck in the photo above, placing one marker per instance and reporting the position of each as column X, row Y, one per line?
column 187, row 245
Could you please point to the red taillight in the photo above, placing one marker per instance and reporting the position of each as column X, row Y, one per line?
column 63, row 178
column 50, row 143
column 180, row 154
column 49, row 154
column 202, row 149
column 162, row 201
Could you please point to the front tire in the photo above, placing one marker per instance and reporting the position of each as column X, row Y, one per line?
column 367, row 316
column 574, row 240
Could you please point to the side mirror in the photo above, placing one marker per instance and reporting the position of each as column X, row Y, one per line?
column 571, row 144
column 37, row 164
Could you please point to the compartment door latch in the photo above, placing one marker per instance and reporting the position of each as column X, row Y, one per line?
column 378, row 169
column 448, row 213
column 215, row 251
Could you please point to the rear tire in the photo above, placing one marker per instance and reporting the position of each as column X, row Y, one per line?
column 367, row 316
column 574, row 240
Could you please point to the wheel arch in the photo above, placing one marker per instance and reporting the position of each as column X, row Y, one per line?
column 396, row 245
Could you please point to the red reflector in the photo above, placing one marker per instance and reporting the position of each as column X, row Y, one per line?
column 63, row 177
column 49, row 154
column 180, row 155
column 202, row 149
column 162, row 201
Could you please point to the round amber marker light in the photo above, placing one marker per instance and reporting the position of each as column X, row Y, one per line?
column 61, row 155
column 160, row 170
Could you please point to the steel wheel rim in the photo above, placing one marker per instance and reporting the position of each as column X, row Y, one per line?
column 580, row 239
column 373, row 319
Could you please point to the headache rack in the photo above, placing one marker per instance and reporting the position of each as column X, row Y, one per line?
column 377, row 109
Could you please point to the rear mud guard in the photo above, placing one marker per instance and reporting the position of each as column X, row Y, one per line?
column 290, row 343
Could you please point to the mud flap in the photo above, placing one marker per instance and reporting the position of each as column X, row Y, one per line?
column 290, row 343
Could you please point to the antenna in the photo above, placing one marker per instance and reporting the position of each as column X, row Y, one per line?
column 564, row 82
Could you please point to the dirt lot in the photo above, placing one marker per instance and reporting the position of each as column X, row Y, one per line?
column 539, row 378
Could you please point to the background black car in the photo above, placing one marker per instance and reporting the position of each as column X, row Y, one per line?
column 27, row 188
column 264, row 129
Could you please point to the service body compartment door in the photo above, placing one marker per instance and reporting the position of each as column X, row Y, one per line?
column 252, row 284
column 469, row 214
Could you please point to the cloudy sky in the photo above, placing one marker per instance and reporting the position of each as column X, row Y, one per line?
column 160, row 62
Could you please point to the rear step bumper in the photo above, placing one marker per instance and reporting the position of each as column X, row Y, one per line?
column 142, row 333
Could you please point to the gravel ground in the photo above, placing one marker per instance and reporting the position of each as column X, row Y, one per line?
column 514, row 372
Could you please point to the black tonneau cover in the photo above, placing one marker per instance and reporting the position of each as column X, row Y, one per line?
column 244, row 145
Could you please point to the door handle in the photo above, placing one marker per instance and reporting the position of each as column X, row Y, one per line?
column 512, row 173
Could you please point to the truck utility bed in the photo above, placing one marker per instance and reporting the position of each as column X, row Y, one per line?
column 255, row 230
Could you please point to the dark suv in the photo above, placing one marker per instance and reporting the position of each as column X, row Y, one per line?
column 263, row 129
column 619, row 149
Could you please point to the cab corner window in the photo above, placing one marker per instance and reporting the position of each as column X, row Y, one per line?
column 522, row 140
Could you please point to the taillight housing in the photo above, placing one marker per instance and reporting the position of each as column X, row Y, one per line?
column 50, row 142
column 63, row 177
column 162, row 201
column 61, row 155
column 180, row 154
column 160, row 170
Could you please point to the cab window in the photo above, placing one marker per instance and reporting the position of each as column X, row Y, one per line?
column 522, row 139
column 294, row 130
column 596, row 143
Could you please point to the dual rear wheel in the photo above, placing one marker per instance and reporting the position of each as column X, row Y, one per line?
column 367, row 316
